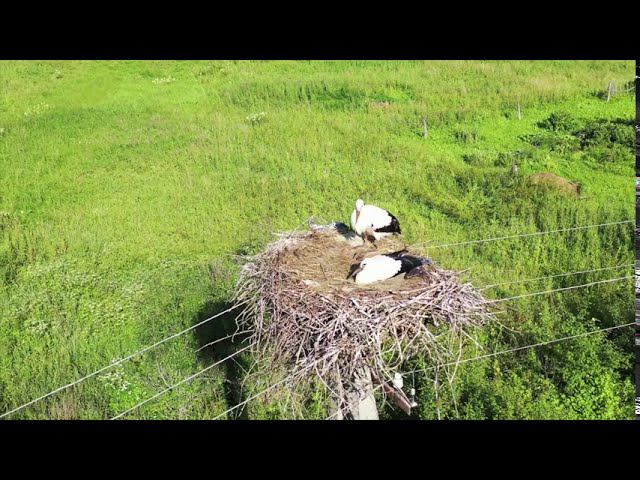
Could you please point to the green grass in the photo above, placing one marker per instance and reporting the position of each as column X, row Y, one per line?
column 121, row 200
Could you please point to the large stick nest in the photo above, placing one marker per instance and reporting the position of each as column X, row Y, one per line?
column 304, row 315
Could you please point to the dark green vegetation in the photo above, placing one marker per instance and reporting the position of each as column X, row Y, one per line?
column 125, row 187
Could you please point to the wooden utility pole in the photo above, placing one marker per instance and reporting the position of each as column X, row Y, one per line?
column 360, row 403
column 519, row 112
column 361, row 399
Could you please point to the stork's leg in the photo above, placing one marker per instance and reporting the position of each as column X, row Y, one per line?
column 370, row 236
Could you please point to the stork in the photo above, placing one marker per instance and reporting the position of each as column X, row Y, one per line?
column 371, row 222
column 385, row 266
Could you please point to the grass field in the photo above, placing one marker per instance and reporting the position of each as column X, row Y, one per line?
column 125, row 187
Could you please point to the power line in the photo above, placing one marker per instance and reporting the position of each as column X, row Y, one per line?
column 610, row 280
column 504, row 299
column 139, row 352
column 523, row 235
column 271, row 387
column 118, row 362
column 494, row 354
column 534, row 345
column 262, row 392
column 548, row 342
column 557, row 275
column 223, row 338
column 185, row 380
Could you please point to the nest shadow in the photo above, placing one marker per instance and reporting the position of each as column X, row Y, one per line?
column 214, row 346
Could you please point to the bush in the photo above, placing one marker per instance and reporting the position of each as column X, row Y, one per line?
column 608, row 154
column 561, row 143
column 604, row 132
column 560, row 122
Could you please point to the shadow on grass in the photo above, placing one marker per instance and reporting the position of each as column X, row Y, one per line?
column 234, row 368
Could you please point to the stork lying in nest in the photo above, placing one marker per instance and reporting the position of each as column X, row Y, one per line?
column 308, row 316
column 382, row 267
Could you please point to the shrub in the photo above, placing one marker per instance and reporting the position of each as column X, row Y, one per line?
column 605, row 132
column 561, row 143
column 608, row 154
column 560, row 122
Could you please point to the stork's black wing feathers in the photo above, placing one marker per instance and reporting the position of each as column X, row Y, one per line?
column 393, row 227
column 408, row 262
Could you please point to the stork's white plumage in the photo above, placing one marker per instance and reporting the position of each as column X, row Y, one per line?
column 381, row 222
column 376, row 269
column 385, row 266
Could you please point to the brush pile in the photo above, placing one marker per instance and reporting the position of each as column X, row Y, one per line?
column 304, row 315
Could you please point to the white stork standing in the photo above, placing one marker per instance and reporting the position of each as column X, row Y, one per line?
column 372, row 221
column 385, row 266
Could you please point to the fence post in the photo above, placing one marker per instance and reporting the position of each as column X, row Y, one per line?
column 611, row 90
